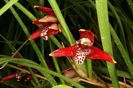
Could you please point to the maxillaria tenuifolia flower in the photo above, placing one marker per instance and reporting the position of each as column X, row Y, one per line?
column 50, row 24
column 83, row 49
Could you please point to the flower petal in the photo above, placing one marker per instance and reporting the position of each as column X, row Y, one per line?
column 36, row 34
column 52, row 32
column 46, row 20
column 99, row 54
column 86, row 37
column 47, row 10
column 68, row 51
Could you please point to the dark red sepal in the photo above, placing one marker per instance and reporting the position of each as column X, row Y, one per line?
column 68, row 51
column 101, row 55
column 36, row 34
column 47, row 10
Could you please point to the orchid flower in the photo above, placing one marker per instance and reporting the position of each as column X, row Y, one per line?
column 83, row 49
column 50, row 24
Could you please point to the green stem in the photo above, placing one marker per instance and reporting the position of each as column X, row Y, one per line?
column 103, row 20
column 89, row 68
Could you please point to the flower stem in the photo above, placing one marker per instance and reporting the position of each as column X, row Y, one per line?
column 89, row 68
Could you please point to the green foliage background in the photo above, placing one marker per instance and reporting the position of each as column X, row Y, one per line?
column 106, row 18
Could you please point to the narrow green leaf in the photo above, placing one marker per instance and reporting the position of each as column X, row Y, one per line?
column 25, row 11
column 7, row 6
column 103, row 20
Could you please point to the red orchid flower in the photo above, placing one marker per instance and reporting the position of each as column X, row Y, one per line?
column 83, row 49
column 50, row 24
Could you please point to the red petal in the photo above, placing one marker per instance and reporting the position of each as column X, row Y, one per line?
column 9, row 77
column 68, row 51
column 86, row 34
column 52, row 32
column 36, row 34
column 99, row 54
column 47, row 10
